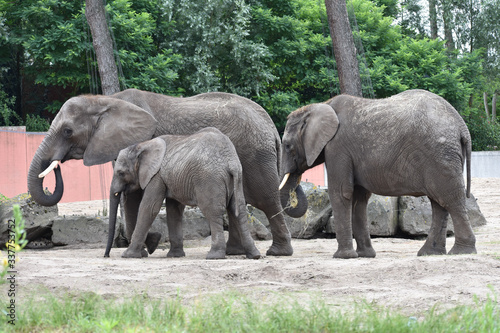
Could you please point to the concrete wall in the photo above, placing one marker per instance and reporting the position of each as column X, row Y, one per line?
column 485, row 164
column 81, row 183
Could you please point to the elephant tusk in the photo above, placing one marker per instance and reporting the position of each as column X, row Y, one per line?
column 283, row 182
column 51, row 167
column 116, row 194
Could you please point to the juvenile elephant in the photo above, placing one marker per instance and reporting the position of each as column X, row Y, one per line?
column 95, row 128
column 201, row 169
column 413, row 143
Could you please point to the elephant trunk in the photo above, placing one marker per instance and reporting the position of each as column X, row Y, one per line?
column 35, row 183
column 293, row 198
column 114, row 200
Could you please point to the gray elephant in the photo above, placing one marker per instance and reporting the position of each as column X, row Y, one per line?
column 95, row 128
column 202, row 170
column 413, row 143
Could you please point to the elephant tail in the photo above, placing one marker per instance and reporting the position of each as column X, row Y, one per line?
column 467, row 148
column 236, row 173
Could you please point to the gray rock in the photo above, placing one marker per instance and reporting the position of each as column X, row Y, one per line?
column 37, row 218
column 81, row 229
column 415, row 215
column 382, row 215
column 195, row 226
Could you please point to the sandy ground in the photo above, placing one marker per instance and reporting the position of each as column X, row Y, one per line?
column 396, row 278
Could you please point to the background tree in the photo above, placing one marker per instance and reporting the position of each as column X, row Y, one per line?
column 103, row 46
column 343, row 47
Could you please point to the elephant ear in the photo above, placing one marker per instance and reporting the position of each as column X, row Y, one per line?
column 118, row 124
column 151, row 155
column 320, row 127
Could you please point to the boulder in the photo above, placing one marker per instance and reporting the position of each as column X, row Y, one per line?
column 382, row 215
column 81, row 229
column 195, row 226
column 37, row 219
column 415, row 215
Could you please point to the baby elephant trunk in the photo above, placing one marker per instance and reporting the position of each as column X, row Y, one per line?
column 114, row 201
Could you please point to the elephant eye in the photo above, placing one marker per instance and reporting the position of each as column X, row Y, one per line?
column 121, row 174
column 68, row 132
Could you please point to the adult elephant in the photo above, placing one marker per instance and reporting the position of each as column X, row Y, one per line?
column 95, row 128
column 413, row 143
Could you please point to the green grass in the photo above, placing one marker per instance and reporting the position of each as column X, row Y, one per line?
column 230, row 312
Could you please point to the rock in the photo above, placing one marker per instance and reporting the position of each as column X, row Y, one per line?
column 37, row 218
column 382, row 215
column 415, row 215
column 195, row 226
column 81, row 229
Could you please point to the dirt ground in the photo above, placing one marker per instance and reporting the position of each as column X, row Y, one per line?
column 396, row 278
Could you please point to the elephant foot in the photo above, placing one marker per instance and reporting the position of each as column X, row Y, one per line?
column 131, row 253
column 346, row 254
column 284, row 249
column 234, row 248
column 253, row 254
column 216, row 254
column 431, row 251
column 461, row 249
column 152, row 241
column 176, row 253
column 366, row 253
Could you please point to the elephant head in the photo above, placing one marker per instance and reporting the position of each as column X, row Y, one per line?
column 134, row 168
column 92, row 128
column 307, row 131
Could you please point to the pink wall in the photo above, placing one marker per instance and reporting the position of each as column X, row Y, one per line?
column 81, row 183
column 315, row 175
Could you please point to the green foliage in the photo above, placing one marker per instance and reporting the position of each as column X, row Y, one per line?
column 16, row 241
column 8, row 117
column 485, row 135
column 276, row 52
column 232, row 312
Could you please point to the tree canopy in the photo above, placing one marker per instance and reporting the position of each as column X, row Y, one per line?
column 276, row 52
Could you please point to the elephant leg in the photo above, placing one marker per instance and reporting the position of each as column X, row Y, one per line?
column 234, row 243
column 131, row 202
column 436, row 240
column 148, row 210
column 131, row 205
column 239, row 224
column 342, row 209
column 360, row 223
column 175, row 212
column 214, row 214
column 465, row 241
column 261, row 186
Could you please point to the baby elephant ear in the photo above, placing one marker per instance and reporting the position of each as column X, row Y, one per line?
column 321, row 125
column 151, row 155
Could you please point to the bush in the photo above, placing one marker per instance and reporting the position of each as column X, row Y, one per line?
column 485, row 135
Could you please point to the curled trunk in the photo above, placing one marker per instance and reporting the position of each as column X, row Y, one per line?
column 114, row 200
column 35, row 184
column 293, row 198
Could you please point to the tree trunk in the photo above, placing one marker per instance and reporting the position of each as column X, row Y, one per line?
column 343, row 47
column 433, row 19
column 494, row 107
column 103, row 46
column 447, row 25
column 485, row 100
